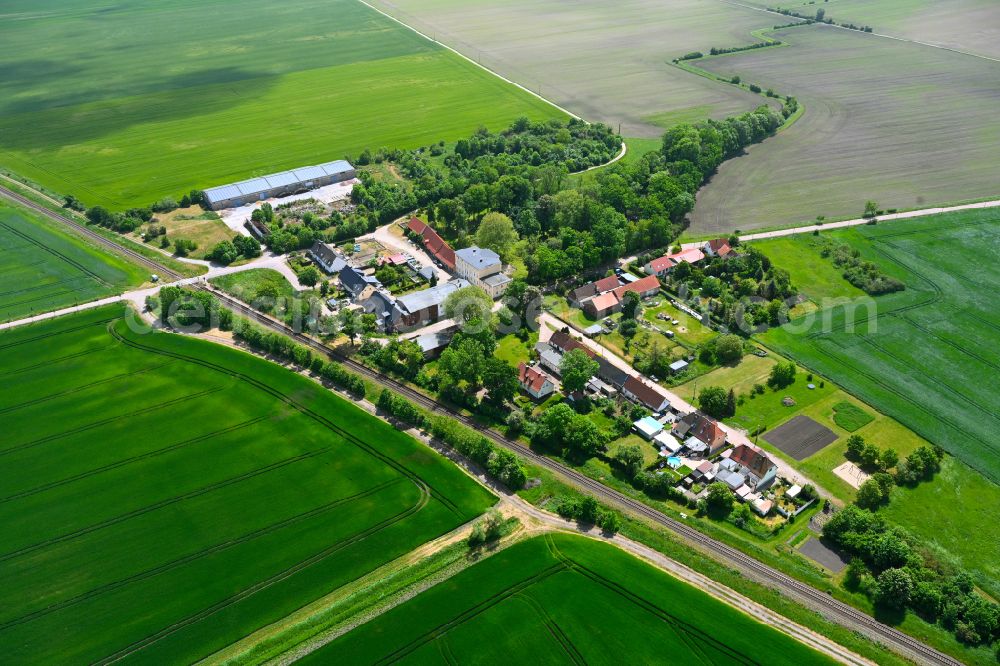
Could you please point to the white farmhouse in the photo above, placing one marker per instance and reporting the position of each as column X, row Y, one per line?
column 483, row 268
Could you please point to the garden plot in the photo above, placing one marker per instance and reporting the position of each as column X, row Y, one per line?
column 801, row 437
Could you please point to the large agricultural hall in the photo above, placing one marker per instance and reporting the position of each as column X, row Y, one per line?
column 280, row 184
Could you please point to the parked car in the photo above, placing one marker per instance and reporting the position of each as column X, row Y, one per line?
column 668, row 333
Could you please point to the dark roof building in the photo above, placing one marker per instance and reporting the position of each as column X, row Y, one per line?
column 327, row 258
column 357, row 283
column 646, row 395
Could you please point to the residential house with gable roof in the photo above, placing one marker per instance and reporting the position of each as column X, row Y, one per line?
column 535, row 383
column 757, row 469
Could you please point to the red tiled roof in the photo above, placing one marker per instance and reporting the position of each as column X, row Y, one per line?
column 604, row 302
column 752, row 458
column 433, row 243
column 607, row 284
column 531, row 378
column 641, row 286
column 720, row 246
column 661, row 264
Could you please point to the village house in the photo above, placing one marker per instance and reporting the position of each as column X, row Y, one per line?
column 608, row 302
column 757, row 470
column 638, row 391
column 662, row 265
column 483, row 268
column 717, row 247
column 433, row 243
column 535, row 382
column 359, row 286
column 700, row 434
column 327, row 258
column 420, row 308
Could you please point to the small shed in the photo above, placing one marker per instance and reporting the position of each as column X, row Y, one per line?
column 678, row 366
column 793, row 491
column 648, row 427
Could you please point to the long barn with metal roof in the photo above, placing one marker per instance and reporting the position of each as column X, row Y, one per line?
column 279, row 184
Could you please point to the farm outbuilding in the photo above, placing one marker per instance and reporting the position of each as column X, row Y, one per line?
column 280, row 184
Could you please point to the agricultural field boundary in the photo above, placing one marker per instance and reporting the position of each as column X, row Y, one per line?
column 875, row 34
column 467, row 58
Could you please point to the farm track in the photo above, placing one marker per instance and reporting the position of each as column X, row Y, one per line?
column 834, row 609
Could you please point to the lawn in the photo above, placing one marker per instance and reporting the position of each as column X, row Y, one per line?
column 247, row 285
column 862, row 93
column 203, row 227
column 925, row 356
column 814, row 276
column 512, row 350
column 45, row 267
column 535, row 603
column 126, row 105
column 607, row 62
column 188, row 493
column 850, row 417
column 958, row 513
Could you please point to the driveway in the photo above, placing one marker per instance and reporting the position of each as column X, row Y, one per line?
column 396, row 243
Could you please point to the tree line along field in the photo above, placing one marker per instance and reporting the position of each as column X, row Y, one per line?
column 607, row 62
column 124, row 105
column 188, row 493
column 563, row 598
column 44, row 268
column 924, row 356
column 966, row 25
column 904, row 124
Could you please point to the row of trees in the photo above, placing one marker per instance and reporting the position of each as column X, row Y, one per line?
column 890, row 567
column 888, row 471
column 865, row 275
column 241, row 247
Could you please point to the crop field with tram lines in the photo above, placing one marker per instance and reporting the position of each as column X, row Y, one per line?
column 924, row 355
column 188, row 493
column 122, row 105
column 45, row 268
column 563, row 599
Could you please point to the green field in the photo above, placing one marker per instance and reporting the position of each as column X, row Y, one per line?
column 44, row 267
column 188, row 493
column 246, row 285
column 906, row 125
column 563, row 599
column 925, row 356
column 605, row 61
column 124, row 104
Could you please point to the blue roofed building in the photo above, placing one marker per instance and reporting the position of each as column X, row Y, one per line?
column 281, row 184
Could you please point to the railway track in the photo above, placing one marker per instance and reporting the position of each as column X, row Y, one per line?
column 834, row 609
column 90, row 234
